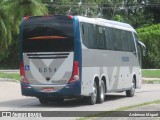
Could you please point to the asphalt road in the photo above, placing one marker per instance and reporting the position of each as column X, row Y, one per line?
column 12, row 100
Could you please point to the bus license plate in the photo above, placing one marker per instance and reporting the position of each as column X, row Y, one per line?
column 48, row 89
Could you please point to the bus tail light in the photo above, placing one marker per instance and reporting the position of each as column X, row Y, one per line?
column 70, row 17
column 22, row 74
column 75, row 72
column 26, row 18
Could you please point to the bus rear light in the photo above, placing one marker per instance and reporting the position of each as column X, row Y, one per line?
column 70, row 17
column 22, row 74
column 28, row 87
column 22, row 69
column 26, row 18
column 75, row 72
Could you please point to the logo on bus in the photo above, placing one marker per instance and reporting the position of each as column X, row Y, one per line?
column 26, row 67
column 125, row 59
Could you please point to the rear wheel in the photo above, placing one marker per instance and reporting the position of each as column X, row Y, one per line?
column 101, row 93
column 58, row 100
column 93, row 98
column 130, row 93
column 43, row 100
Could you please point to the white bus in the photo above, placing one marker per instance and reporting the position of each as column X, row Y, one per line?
column 73, row 56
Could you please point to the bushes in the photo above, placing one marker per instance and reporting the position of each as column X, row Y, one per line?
column 11, row 61
column 150, row 36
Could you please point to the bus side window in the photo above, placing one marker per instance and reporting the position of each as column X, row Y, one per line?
column 88, row 35
column 132, row 43
column 84, row 29
column 109, row 38
column 125, row 40
column 100, row 38
column 117, row 39
column 91, row 36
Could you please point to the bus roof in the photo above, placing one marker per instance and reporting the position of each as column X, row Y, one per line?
column 109, row 23
column 98, row 21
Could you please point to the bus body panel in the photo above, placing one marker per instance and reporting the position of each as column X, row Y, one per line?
column 70, row 90
column 118, row 67
column 50, row 72
column 118, row 71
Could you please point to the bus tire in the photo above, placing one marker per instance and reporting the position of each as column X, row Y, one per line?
column 101, row 93
column 93, row 98
column 43, row 101
column 130, row 93
column 59, row 100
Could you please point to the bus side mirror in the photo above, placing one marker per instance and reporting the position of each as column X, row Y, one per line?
column 142, row 45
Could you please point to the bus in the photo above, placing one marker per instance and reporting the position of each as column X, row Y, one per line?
column 64, row 57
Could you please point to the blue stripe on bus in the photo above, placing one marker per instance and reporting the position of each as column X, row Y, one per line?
column 77, row 47
column 68, row 91
column 20, row 39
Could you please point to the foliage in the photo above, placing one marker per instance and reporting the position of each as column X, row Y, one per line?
column 129, row 11
column 5, row 30
column 24, row 8
column 74, row 7
column 11, row 62
column 150, row 36
column 11, row 13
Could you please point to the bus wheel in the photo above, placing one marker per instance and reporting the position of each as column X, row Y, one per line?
column 93, row 98
column 101, row 93
column 59, row 100
column 43, row 100
column 130, row 93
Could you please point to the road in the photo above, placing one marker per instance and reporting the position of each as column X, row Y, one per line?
column 12, row 100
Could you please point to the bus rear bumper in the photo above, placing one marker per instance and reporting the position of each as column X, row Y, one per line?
column 70, row 90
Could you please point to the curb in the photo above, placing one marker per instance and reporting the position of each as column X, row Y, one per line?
column 150, row 79
column 8, row 80
column 10, row 71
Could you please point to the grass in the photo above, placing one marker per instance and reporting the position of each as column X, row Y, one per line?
column 15, row 76
column 138, row 105
column 119, row 109
column 151, row 73
column 151, row 81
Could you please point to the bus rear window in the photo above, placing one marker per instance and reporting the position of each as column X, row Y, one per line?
column 48, row 34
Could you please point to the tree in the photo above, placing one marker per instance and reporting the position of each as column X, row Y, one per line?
column 11, row 13
column 150, row 36
column 129, row 11
column 5, row 30
column 110, row 8
column 152, row 6
column 25, row 8
column 73, row 7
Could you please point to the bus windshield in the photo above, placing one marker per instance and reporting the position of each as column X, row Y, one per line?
column 48, row 34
